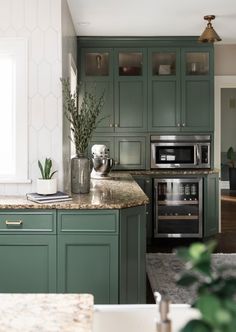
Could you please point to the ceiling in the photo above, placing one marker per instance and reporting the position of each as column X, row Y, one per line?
column 153, row 17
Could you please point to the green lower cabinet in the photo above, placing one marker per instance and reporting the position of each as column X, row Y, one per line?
column 132, row 255
column 211, row 205
column 89, row 264
column 28, row 263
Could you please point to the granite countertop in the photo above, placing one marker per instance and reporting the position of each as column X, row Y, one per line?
column 117, row 192
column 46, row 312
column 170, row 172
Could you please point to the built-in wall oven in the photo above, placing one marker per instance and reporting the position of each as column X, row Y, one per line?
column 178, row 207
column 181, row 151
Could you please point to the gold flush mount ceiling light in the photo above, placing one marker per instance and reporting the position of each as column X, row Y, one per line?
column 209, row 35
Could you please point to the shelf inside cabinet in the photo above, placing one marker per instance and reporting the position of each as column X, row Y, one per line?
column 177, row 202
column 178, row 217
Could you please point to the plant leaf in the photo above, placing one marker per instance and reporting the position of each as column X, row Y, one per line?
column 50, row 176
column 187, row 280
column 196, row 325
column 41, row 169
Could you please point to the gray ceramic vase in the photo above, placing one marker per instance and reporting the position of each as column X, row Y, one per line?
column 80, row 175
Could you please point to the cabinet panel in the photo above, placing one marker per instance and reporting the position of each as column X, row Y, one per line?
column 211, row 205
column 132, row 255
column 89, row 264
column 106, row 118
column 28, row 264
column 164, row 106
column 130, row 106
column 130, row 152
column 197, row 106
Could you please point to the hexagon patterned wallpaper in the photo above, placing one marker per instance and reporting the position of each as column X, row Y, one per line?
column 40, row 22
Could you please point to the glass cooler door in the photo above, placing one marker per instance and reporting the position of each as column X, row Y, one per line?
column 178, row 207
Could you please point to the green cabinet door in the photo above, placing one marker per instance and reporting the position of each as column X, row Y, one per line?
column 89, row 264
column 88, row 253
column 164, row 89
column 211, row 205
column 130, row 84
column 96, row 66
column 132, row 274
column 28, row 263
column 130, row 152
column 197, row 113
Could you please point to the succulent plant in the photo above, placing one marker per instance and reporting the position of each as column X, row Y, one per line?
column 46, row 169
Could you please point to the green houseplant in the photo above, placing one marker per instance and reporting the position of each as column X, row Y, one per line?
column 83, row 118
column 232, row 168
column 216, row 290
column 46, row 185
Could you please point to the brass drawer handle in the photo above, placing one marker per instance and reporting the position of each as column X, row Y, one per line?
column 14, row 222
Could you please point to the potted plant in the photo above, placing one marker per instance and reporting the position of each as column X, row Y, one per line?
column 216, row 289
column 232, row 168
column 46, row 185
column 82, row 117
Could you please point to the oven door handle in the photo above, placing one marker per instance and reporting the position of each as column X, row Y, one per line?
column 198, row 160
column 155, row 209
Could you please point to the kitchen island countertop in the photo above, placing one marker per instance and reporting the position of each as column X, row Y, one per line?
column 46, row 312
column 118, row 191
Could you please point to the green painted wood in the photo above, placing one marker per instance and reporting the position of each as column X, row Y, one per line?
column 131, row 104
column 93, row 221
column 28, row 263
column 89, row 264
column 130, row 152
column 33, row 221
column 197, row 115
column 164, row 109
column 145, row 183
column 106, row 119
column 132, row 274
column 211, row 205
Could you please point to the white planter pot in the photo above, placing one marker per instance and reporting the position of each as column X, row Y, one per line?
column 46, row 187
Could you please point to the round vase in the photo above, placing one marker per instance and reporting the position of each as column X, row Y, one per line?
column 80, row 175
column 46, row 186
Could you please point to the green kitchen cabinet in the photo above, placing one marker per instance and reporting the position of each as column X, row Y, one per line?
column 211, row 205
column 103, row 252
column 88, row 254
column 128, row 152
column 181, row 90
column 27, row 251
column 97, row 77
column 145, row 183
column 121, row 75
column 164, row 89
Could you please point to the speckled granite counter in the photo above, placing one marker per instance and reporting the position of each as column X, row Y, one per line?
column 117, row 192
column 46, row 312
column 174, row 172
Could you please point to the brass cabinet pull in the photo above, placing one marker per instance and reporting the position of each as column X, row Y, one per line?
column 116, row 125
column 14, row 222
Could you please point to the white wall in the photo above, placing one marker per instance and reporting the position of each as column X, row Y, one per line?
column 40, row 21
column 69, row 46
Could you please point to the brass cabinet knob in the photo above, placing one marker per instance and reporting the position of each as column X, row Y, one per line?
column 111, row 125
column 116, row 125
column 183, row 124
column 178, row 124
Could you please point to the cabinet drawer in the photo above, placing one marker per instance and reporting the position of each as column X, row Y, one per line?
column 98, row 221
column 28, row 222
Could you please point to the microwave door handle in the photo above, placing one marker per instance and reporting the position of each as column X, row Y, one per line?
column 198, row 154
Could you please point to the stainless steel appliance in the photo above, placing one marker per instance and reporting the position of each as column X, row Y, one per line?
column 181, row 151
column 178, row 207
column 102, row 164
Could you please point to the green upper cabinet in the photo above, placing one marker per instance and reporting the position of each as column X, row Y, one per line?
column 122, row 75
column 180, row 90
column 164, row 89
column 97, row 77
column 197, row 90
column 130, row 90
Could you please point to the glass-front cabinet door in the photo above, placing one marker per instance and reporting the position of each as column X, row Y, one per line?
column 164, row 89
column 96, row 70
column 130, row 90
column 178, row 207
column 197, row 90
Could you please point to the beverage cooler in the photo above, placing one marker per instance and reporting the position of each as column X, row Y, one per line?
column 178, row 207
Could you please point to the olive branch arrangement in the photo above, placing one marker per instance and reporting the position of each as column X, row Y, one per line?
column 82, row 117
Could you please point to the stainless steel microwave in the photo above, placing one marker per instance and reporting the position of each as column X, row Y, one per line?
column 181, row 151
